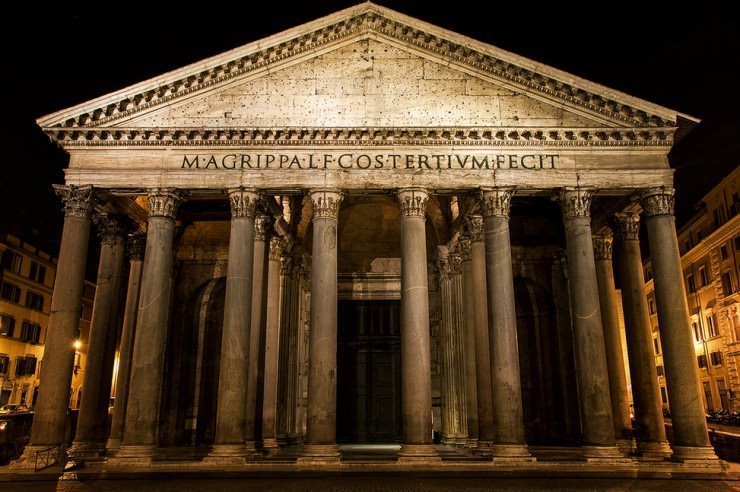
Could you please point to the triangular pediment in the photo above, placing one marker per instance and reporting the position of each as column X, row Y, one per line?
column 363, row 67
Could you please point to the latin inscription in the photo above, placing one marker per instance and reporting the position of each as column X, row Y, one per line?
column 347, row 161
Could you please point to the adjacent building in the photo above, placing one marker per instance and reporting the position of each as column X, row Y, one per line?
column 709, row 244
column 26, row 282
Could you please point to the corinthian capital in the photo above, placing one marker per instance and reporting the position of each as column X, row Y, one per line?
column 658, row 201
column 326, row 203
column 78, row 200
column 135, row 246
column 463, row 247
column 111, row 227
column 628, row 226
column 164, row 202
column 276, row 248
column 243, row 201
column 602, row 246
column 474, row 226
column 413, row 202
column 575, row 203
column 262, row 225
column 496, row 202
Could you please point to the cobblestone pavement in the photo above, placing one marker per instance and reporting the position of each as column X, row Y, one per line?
column 373, row 484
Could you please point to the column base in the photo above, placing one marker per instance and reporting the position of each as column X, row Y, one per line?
column 626, row 446
column 254, row 448
column 512, row 453
column 227, row 454
column 418, row 453
column 471, row 442
column 483, row 448
column 111, row 447
column 608, row 455
column 654, row 451
column 28, row 459
column 81, row 450
column 320, row 454
column 270, row 446
column 140, row 454
column 699, row 456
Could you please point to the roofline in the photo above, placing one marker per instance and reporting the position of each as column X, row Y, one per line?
column 51, row 119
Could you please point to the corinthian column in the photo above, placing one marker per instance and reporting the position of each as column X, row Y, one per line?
column 272, row 346
column 613, row 341
column 142, row 411
column 56, row 376
column 321, row 430
column 416, row 377
column 483, row 373
column 690, row 437
column 135, row 250
column 597, row 424
column 651, row 437
column 508, row 416
column 471, row 389
column 228, row 446
column 92, row 419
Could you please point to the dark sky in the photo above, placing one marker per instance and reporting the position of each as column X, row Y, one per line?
column 66, row 54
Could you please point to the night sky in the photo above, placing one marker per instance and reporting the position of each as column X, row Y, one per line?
column 67, row 54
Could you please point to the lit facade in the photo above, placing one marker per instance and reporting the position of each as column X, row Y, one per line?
column 710, row 258
column 26, row 281
column 368, row 229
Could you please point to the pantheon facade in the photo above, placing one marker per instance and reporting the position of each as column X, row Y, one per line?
column 369, row 229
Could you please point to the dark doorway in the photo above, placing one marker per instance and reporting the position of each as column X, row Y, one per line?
column 369, row 372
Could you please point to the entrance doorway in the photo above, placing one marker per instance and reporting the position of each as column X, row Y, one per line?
column 369, row 372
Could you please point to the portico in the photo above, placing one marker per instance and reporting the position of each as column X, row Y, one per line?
column 449, row 189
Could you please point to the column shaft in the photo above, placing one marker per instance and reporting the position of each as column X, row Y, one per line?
column 272, row 346
column 93, row 415
column 416, row 380
column 321, row 429
column 597, row 424
column 508, row 414
column 651, row 436
column 483, row 375
column 56, row 375
column 471, row 390
column 232, row 388
column 690, row 437
column 613, row 342
column 142, row 410
column 136, row 245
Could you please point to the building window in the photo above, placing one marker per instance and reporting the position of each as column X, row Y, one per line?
column 37, row 272
column 648, row 275
column 12, row 261
column 708, row 395
column 651, row 306
column 7, row 323
column 726, row 284
column 716, row 358
column 712, row 326
column 723, row 393
column 723, row 252
column 697, row 331
column 25, row 366
column 703, row 276
column 656, row 345
column 10, row 292
column 702, row 361
column 661, row 372
column 719, row 216
column 30, row 332
column 34, row 301
column 687, row 246
column 663, row 394
column 691, row 283
column 4, row 363
column 737, row 243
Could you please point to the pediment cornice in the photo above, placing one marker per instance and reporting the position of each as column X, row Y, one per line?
column 515, row 72
column 492, row 137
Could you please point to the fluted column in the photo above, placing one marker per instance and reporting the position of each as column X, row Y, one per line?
column 650, row 427
column 135, row 252
column 231, row 411
column 272, row 346
column 64, row 317
column 690, row 437
column 508, row 415
column 142, row 411
column 286, row 355
column 483, row 375
column 416, row 378
column 597, row 424
column 92, row 418
column 613, row 341
column 468, row 334
column 321, row 432
column 256, row 359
